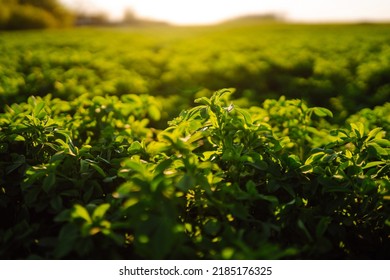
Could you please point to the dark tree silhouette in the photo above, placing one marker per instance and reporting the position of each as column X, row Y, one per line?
column 33, row 14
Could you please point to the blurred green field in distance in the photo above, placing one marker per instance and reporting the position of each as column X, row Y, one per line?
column 342, row 67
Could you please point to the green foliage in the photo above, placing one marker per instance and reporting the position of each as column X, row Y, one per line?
column 31, row 14
column 373, row 118
column 261, row 61
column 91, row 179
column 89, row 168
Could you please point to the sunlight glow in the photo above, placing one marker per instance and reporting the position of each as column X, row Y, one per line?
column 212, row 11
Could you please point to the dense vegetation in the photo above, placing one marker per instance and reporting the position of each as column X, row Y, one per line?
column 118, row 143
column 342, row 68
column 33, row 14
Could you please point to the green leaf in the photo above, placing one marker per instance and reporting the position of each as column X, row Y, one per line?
column 38, row 108
column 238, row 210
column 383, row 142
column 270, row 198
column 63, row 216
column 358, row 128
column 307, row 168
column 157, row 147
column 162, row 166
column 56, row 203
column 314, row 157
column 17, row 161
column 273, row 185
column 322, row 112
column 110, row 179
column 187, row 182
column 72, row 148
column 373, row 133
column 334, row 132
column 49, row 182
column 191, row 114
column 100, row 211
column 31, row 196
column 294, row 161
column 259, row 164
column 66, row 240
column 373, row 163
column 196, row 136
column 84, row 166
column 212, row 227
column 251, row 188
column 98, row 169
column 203, row 100
column 154, row 112
column 80, row 212
column 134, row 165
column 99, row 100
column 32, row 101
column 16, row 137
column 135, row 147
column 218, row 95
column 130, row 202
column 247, row 116
column 377, row 150
column 302, row 226
column 125, row 189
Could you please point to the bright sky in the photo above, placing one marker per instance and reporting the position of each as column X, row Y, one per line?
column 212, row 11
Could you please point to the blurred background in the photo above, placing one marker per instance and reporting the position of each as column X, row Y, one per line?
column 18, row 14
column 208, row 12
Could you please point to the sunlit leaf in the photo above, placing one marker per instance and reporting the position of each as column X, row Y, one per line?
column 100, row 211
column 373, row 133
column 322, row 112
column 80, row 212
column 245, row 114
column 154, row 112
column 38, row 108
column 358, row 128
column 377, row 150
column 372, row 164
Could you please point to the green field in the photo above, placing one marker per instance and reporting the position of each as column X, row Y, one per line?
column 238, row 141
column 344, row 68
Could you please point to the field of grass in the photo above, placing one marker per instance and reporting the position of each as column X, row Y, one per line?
column 237, row 141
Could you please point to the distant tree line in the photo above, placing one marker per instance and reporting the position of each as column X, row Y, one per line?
column 40, row 14
column 33, row 14
column 129, row 18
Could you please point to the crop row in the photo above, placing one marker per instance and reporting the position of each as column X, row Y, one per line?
column 343, row 67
